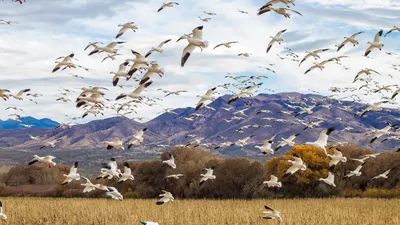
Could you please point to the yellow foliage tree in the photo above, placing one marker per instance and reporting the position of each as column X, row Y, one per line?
column 315, row 159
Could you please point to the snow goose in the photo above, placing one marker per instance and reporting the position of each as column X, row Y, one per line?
column 110, row 48
column 205, row 98
column 9, row 22
column 226, row 44
column 289, row 141
column 247, row 91
column 95, row 98
column 207, row 176
column 273, row 182
column 355, row 172
column 209, row 13
column 111, row 56
column 2, row 215
column 170, row 162
column 168, row 4
column 336, row 158
column 50, row 144
column 243, row 142
column 4, row 94
column 109, row 170
column 92, row 44
column 338, row 59
column 125, row 27
column 89, row 186
column 379, row 133
column 127, row 174
column 374, row 107
column 153, row 69
column 274, row 2
column 365, row 71
column 115, row 143
column 165, row 197
column 175, row 176
column 322, row 141
column 266, row 148
column 158, row 48
column 307, row 110
column 121, row 73
column 375, row 43
column 330, row 180
column 185, row 36
column 314, row 54
column 277, row 38
column 245, row 54
column 72, row 175
column 297, row 164
column 137, row 138
column 101, row 187
column 195, row 41
column 65, row 62
column 241, row 112
column 149, row 223
column 393, row 29
column 242, row 11
column 138, row 62
column 383, row 175
column 320, row 65
column 280, row 11
column 350, row 39
column 114, row 194
column 224, row 144
column 271, row 214
column 205, row 19
column 136, row 93
column 47, row 160
column 20, row 94
column 35, row 138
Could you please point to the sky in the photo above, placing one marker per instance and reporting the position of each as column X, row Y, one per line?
column 48, row 29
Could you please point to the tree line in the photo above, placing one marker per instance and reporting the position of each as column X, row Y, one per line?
column 235, row 177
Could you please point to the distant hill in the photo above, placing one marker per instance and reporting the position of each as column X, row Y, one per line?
column 36, row 123
column 172, row 129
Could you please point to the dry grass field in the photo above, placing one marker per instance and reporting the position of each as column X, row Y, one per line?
column 202, row 212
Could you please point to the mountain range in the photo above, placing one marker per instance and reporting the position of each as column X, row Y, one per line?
column 173, row 129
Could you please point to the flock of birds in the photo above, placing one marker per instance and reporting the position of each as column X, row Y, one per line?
column 93, row 101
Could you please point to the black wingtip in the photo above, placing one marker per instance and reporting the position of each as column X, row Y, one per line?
column 76, row 164
column 329, row 131
column 126, row 164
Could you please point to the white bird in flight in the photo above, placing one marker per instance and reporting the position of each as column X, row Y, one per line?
column 165, row 197
column 72, row 175
column 273, row 182
column 170, row 162
column 207, row 176
column 330, row 180
column 322, row 141
column 375, row 44
column 47, row 160
column 2, row 215
column 127, row 174
column 271, row 214
column 158, row 48
column 115, row 143
column 297, row 164
column 114, row 194
column 277, row 38
column 126, row 27
column 195, row 41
